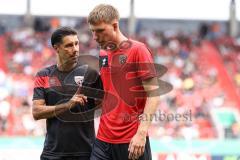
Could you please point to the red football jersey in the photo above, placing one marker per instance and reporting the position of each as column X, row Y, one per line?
column 122, row 72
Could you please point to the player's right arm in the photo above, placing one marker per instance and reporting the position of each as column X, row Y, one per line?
column 41, row 111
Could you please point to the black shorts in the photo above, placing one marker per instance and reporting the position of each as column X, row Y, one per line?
column 108, row 151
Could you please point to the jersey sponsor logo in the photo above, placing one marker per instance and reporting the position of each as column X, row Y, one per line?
column 54, row 81
column 79, row 80
column 103, row 61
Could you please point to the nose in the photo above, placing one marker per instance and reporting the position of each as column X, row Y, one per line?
column 76, row 48
column 95, row 37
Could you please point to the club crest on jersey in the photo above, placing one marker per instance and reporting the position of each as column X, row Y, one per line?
column 122, row 59
column 79, row 80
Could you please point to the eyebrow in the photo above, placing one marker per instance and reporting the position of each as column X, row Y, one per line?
column 70, row 43
column 97, row 29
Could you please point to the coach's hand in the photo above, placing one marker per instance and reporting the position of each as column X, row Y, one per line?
column 137, row 146
column 77, row 98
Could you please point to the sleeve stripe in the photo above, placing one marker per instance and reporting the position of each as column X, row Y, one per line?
column 41, row 81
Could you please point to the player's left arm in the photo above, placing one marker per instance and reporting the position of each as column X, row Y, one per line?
column 137, row 144
column 145, row 63
column 151, row 104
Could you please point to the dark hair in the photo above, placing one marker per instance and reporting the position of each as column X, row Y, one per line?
column 60, row 33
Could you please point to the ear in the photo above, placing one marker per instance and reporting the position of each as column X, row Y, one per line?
column 56, row 47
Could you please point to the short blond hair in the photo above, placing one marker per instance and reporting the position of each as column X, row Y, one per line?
column 103, row 13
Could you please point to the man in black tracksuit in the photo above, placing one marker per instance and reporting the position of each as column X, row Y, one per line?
column 64, row 95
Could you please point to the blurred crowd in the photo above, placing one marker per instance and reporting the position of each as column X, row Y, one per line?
column 197, row 86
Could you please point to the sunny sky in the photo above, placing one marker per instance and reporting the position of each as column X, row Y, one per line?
column 166, row 9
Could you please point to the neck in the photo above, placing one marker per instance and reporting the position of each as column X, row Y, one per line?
column 121, row 38
column 64, row 66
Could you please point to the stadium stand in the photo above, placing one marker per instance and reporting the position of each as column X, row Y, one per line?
column 204, row 70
